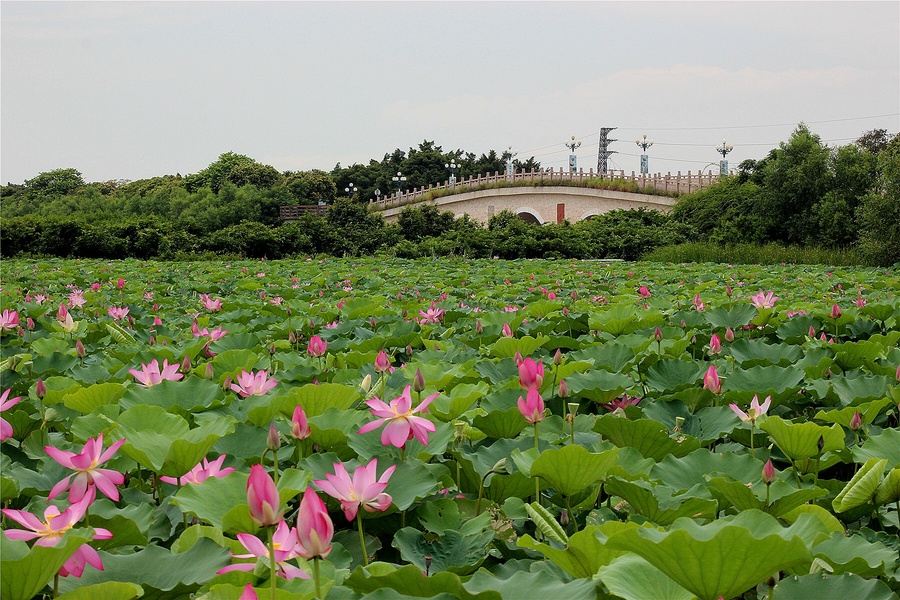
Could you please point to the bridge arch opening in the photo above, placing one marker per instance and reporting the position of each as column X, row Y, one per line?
column 529, row 216
column 590, row 215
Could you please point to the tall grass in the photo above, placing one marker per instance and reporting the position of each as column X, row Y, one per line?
column 752, row 254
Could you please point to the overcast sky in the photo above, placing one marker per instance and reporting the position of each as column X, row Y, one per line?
column 129, row 90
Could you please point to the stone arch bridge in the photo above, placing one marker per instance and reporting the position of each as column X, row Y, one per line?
column 546, row 196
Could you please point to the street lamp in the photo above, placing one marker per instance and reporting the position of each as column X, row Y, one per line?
column 399, row 178
column 453, row 168
column 377, row 194
column 350, row 189
column 723, row 149
column 573, row 160
column 644, row 143
column 510, row 155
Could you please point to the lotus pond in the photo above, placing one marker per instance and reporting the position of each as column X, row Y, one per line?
column 454, row 429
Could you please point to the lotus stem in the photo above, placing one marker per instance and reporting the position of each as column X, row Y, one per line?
column 272, row 561
column 537, row 482
column 362, row 541
column 316, row 576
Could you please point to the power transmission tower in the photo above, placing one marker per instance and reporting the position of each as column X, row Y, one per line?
column 605, row 152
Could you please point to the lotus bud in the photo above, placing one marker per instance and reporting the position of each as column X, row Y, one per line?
column 768, row 472
column 574, row 295
column 835, row 311
column 208, row 371
column 186, row 364
column 409, row 349
column 711, row 380
column 40, row 389
column 372, row 322
column 272, row 440
column 557, row 358
column 272, row 350
column 62, row 313
column 418, row 381
column 506, row 331
column 405, row 313
column 131, row 320
column 479, row 329
column 29, row 324
column 729, row 335
column 856, row 422
column 657, row 334
column 564, row 518
column 79, row 349
column 151, row 340
column 501, row 466
column 728, row 290
column 564, row 390
column 366, row 383
column 120, row 283
column 20, row 332
column 821, row 443
column 812, row 331
column 226, row 385
column 565, row 311
column 715, row 344
column 292, row 338
column 382, row 362
column 518, row 358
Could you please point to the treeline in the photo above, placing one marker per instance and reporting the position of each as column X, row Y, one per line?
column 802, row 194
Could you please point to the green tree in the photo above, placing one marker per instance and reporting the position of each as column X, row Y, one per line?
column 310, row 187
column 879, row 212
column 58, row 182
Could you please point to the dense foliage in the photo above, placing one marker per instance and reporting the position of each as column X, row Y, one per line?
column 556, row 429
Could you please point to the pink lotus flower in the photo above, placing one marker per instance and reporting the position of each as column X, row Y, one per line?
column 151, row 374
column 51, row 530
column 285, row 548
column 835, row 312
column 362, row 490
column 644, row 292
column 87, row 476
column 249, row 593
column 622, row 402
column 210, row 304
column 401, row 424
column 531, row 373
column 764, row 299
column 38, row 299
column 262, row 498
column 65, row 319
column 432, row 315
column 756, row 411
column 860, row 301
column 506, row 331
column 201, row 472
column 9, row 320
column 6, row 430
column 299, row 425
column 699, row 305
column 711, row 380
column 532, row 406
column 314, row 527
column 317, row 346
column 117, row 312
column 249, row 384
column 382, row 362
column 76, row 299
column 120, row 283
column 216, row 334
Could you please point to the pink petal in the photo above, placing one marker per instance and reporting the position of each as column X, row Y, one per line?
column 371, row 426
column 61, row 456
column 395, row 433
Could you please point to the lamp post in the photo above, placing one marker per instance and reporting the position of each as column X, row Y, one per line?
column 350, row 189
column 453, row 168
column 510, row 155
column 377, row 194
column 644, row 143
column 399, row 178
column 573, row 160
column 723, row 149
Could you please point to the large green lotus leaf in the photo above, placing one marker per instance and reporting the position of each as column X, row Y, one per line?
column 598, row 385
column 501, row 424
column 234, row 341
column 735, row 493
column 411, row 481
column 522, row 584
column 87, row 399
column 411, row 582
column 801, row 440
column 726, row 557
column 232, row 362
column 129, row 525
column 843, row 416
column 211, row 500
column 861, row 489
column 658, row 504
column 759, row 379
column 821, row 586
column 670, row 374
column 27, row 570
column 332, row 429
column 612, row 357
column 188, row 396
column 452, row 551
column 262, row 410
column 437, row 375
column 461, row 399
column 884, row 445
column 735, row 317
column 853, row 355
column 860, row 389
column 157, row 569
column 648, row 437
column 831, row 523
column 633, row 578
column 572, row 468
column 110, row 590
column 507, row 347
column 889, row 489
column 196, row 532
column 751, row 353
column 586, row 550
column 497, row 373
column 854, row 554
column 163, row 442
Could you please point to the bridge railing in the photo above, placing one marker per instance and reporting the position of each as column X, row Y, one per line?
column 676, row 184
column 292, row 213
